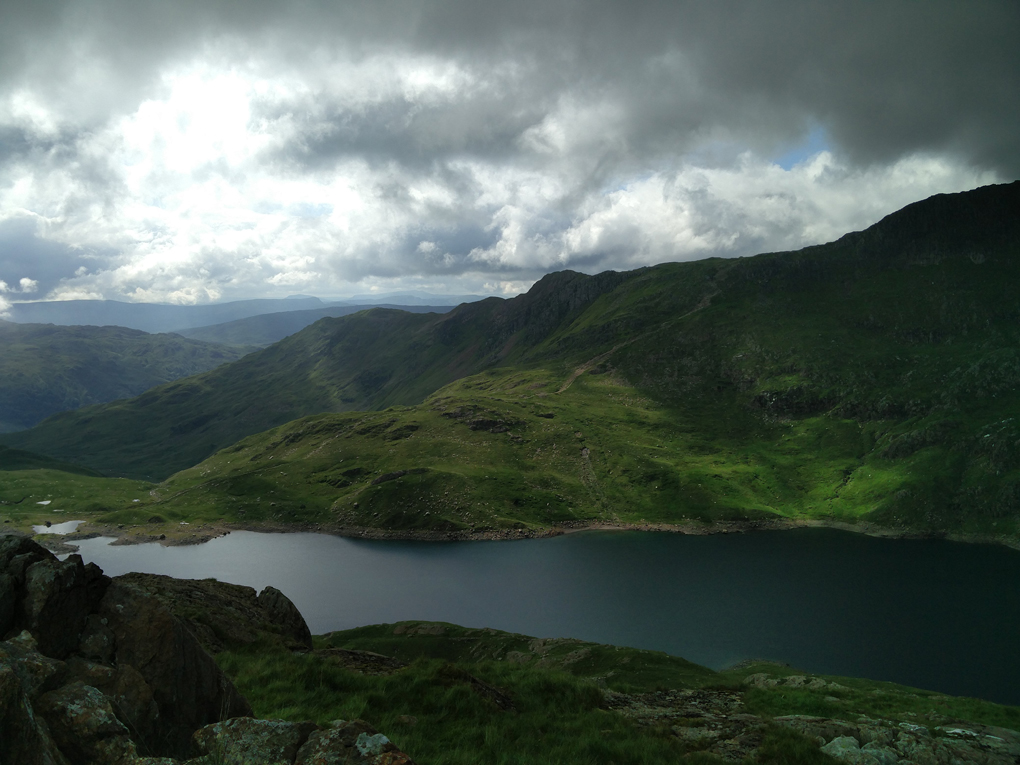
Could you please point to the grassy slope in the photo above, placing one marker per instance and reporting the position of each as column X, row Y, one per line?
column 70, row 496
column 430, row 711
column 48, row 369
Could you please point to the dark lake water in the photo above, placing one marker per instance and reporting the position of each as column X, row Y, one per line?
column 932, row 614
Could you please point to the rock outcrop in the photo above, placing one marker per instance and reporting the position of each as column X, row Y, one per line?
column 227, row 616
column 717, row 722
column 189, row 690
column 100, row 671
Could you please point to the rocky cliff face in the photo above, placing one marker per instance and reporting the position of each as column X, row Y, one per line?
column 100, row 671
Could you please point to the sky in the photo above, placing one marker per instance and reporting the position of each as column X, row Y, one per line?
column 210, row 150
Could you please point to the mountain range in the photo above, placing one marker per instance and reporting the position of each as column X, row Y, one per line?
column 872, row 379
column 160, row 317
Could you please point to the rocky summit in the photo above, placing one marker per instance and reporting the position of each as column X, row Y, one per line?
column 97, row 670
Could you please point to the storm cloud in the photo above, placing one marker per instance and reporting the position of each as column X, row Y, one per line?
column 198, row 151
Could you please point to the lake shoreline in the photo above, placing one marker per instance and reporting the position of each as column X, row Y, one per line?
column 197, row 534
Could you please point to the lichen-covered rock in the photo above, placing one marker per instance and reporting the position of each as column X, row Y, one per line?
column 884, row 754
column 285, row 615
column 848, row 749
column 355, row 742
column 38, row 673
column 189, row 689
column 57, row 598
column 129, row 695
column 883, row 742
column 24, row 739
column 84, row 726
column 245, row 739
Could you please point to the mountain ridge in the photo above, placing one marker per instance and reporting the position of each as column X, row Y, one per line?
column 874, row 377
column 46, row 369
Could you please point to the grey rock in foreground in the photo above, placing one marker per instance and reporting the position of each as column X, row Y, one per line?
column 95, row 671
column 717, row 722
column 227, row 616
column 276, row 742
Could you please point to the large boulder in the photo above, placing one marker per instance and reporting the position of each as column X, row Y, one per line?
column 56, row 599
column 189, row 689
column 227, row 616
column 285, row 615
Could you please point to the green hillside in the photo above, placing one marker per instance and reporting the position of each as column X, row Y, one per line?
column 46, row 369
column 368, row 360
column 874, row 377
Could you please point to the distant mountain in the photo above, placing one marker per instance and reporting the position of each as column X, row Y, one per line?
column 45, row 369
column 402, row 299
column 150, row 317
column 874, row 377
column 266, row 329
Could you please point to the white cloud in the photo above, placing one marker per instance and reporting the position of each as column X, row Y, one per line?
column 324, row 153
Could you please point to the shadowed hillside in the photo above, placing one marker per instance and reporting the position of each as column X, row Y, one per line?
column 45, row 369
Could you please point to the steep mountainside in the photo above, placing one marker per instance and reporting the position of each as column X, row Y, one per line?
column 45, row 369
column 876, row 376
column 270, row 328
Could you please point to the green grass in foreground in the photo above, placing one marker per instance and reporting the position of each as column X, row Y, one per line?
column 432, row 709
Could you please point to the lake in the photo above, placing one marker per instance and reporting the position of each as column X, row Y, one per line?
column 928, row 613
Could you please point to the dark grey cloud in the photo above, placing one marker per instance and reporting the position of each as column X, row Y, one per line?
column 408, row 137
column 884, row 77
column 23, row 255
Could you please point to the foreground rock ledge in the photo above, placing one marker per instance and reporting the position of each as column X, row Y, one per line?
column 99, row 671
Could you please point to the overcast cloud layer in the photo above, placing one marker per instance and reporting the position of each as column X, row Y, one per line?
column 207, row 150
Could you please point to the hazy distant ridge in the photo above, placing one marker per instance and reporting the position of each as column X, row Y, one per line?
column 268, row 328
column 150, row 317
